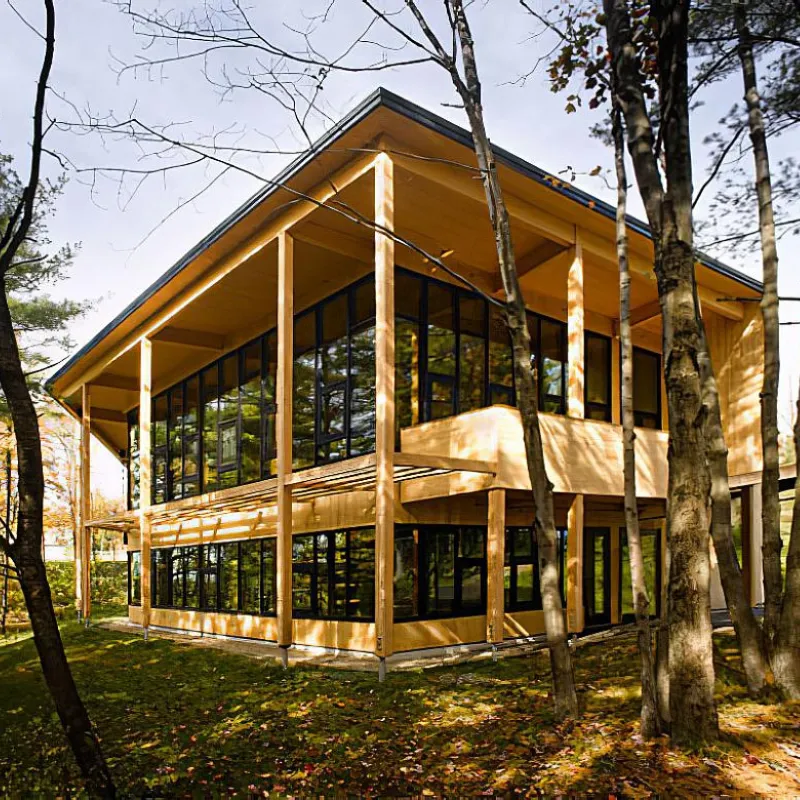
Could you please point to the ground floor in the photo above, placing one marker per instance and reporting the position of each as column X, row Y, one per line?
column 463, row 570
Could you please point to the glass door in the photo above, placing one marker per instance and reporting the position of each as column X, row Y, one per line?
column 597, row 576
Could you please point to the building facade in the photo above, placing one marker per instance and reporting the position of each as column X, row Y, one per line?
column 316, row 405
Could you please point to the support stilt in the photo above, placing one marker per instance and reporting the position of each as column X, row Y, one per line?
column 381, row 670
column 284, row 657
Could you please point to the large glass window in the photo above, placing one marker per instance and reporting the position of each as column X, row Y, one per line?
column 134, row 578
column 597, row 358
column 230, row 577
column 159, row 432
column 646, row 388
column 251, row 415
column 651, row 554
column 134, row 462
column 440, row 571
column 333, row 574
column 520, row 578
column 304, row 389
column 552, row 365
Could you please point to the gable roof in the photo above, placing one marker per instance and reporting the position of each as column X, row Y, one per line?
column 382, row 98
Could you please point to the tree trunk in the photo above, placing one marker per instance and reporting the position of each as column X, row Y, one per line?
column 26, row 553
column 693, row 715
column 650, row 724
column 744, row 622
column 786, row 658
column 770, row 492
column 565, row 697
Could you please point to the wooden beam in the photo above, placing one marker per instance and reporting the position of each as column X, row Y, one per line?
column 189, row 338
column 86, row 501
column 284, row 435
column 110, row 381
column 384, row 407
column 355, row 247
column 575, row 555
column 495, row 558
column 541, row 256
column 294, row 213
column 109, row 415
column 145, row 473
column 575, row 333
column 645, row 312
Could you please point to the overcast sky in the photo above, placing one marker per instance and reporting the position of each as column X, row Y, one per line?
column 128, row 241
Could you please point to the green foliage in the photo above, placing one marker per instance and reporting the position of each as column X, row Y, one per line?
column 40, row 321
column 187, row 720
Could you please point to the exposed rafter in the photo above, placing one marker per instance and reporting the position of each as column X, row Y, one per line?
column 189, row 338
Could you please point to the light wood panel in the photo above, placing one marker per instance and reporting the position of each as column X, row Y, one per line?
column 145, row 471
column 384, row 405
column 575, row 555
column 244, row 626
column 334, row 634
column 284, row 434
column 439, row 632
column 495, row 558
column 519, row 624
column 575, row 333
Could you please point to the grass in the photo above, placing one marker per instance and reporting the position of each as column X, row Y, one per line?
column 180, row 720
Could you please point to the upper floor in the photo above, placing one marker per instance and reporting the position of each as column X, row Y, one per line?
column 212, row 326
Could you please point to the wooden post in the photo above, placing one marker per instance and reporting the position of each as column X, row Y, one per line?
column 575, row 332
column 145, row 473
column 575, row 611
column 495, row 561
column 85, row 547
column 384, row 408
column 284, row 437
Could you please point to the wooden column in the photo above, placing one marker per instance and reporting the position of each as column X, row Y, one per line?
column 284, row 435
column 384, row 407
column 145, row 473
column 85, row 545
column 575, row 333
column 575, row 615
column 495, row 559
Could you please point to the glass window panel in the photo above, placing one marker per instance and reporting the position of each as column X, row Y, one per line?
column 210, row 381
column 251, row 576
column 228, row 422
column 440, row 571
column 362, row 391
column 208, row 576
column 177, row 576
column 191, row 409
column 192, row 568
column 333, row 351
column 551, row 376
column 646, row 382
column 562, row 561
column 471, row 588
column 338, row 599
column 471, row 543
column 361, row 587
column 161, row 576
column 406, row 590
column 133, row 460
column 526, row 583
column 270, row 387
column 508, row 601
column 159, row 420
column 407, row 374
column 160, row 476
column 597, row 587
column 176, row 443
column 303, row 573
column 250, row 397
column 304, row 390
column 323, row 586
column 472, row 363
column 523, row 542
column 441, row 330
column 441, row 396
column 501, row 363
column 364, row 302
column 407, row 294
column 650, row 555
column 229, row 576
column 135, row 578
column 269, row 577
column 597, row 357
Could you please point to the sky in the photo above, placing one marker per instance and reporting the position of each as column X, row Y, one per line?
column 128, row 238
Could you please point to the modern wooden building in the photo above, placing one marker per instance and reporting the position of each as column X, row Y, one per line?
column 319, row 424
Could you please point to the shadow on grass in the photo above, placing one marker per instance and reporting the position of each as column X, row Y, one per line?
column 177, row 720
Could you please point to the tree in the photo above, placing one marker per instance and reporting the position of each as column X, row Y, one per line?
column 668, row 205
column 24, row 266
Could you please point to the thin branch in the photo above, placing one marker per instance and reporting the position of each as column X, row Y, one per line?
column 718, row 164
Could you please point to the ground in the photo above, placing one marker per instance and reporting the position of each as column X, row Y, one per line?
column 181, row 720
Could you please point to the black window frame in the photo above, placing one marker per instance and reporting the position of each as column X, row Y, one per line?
column 327, row 581
column 639, row 416
column 173, row 554
column 603, row 408
column 655, row 602
column 422, row 545
column 512, row 561
column 131, row 600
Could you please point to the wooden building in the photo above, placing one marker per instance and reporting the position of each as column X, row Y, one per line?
column 319, row 423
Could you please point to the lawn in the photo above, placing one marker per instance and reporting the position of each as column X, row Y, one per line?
column 182, row 720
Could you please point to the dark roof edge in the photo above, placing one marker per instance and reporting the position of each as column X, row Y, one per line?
column 420, row 115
